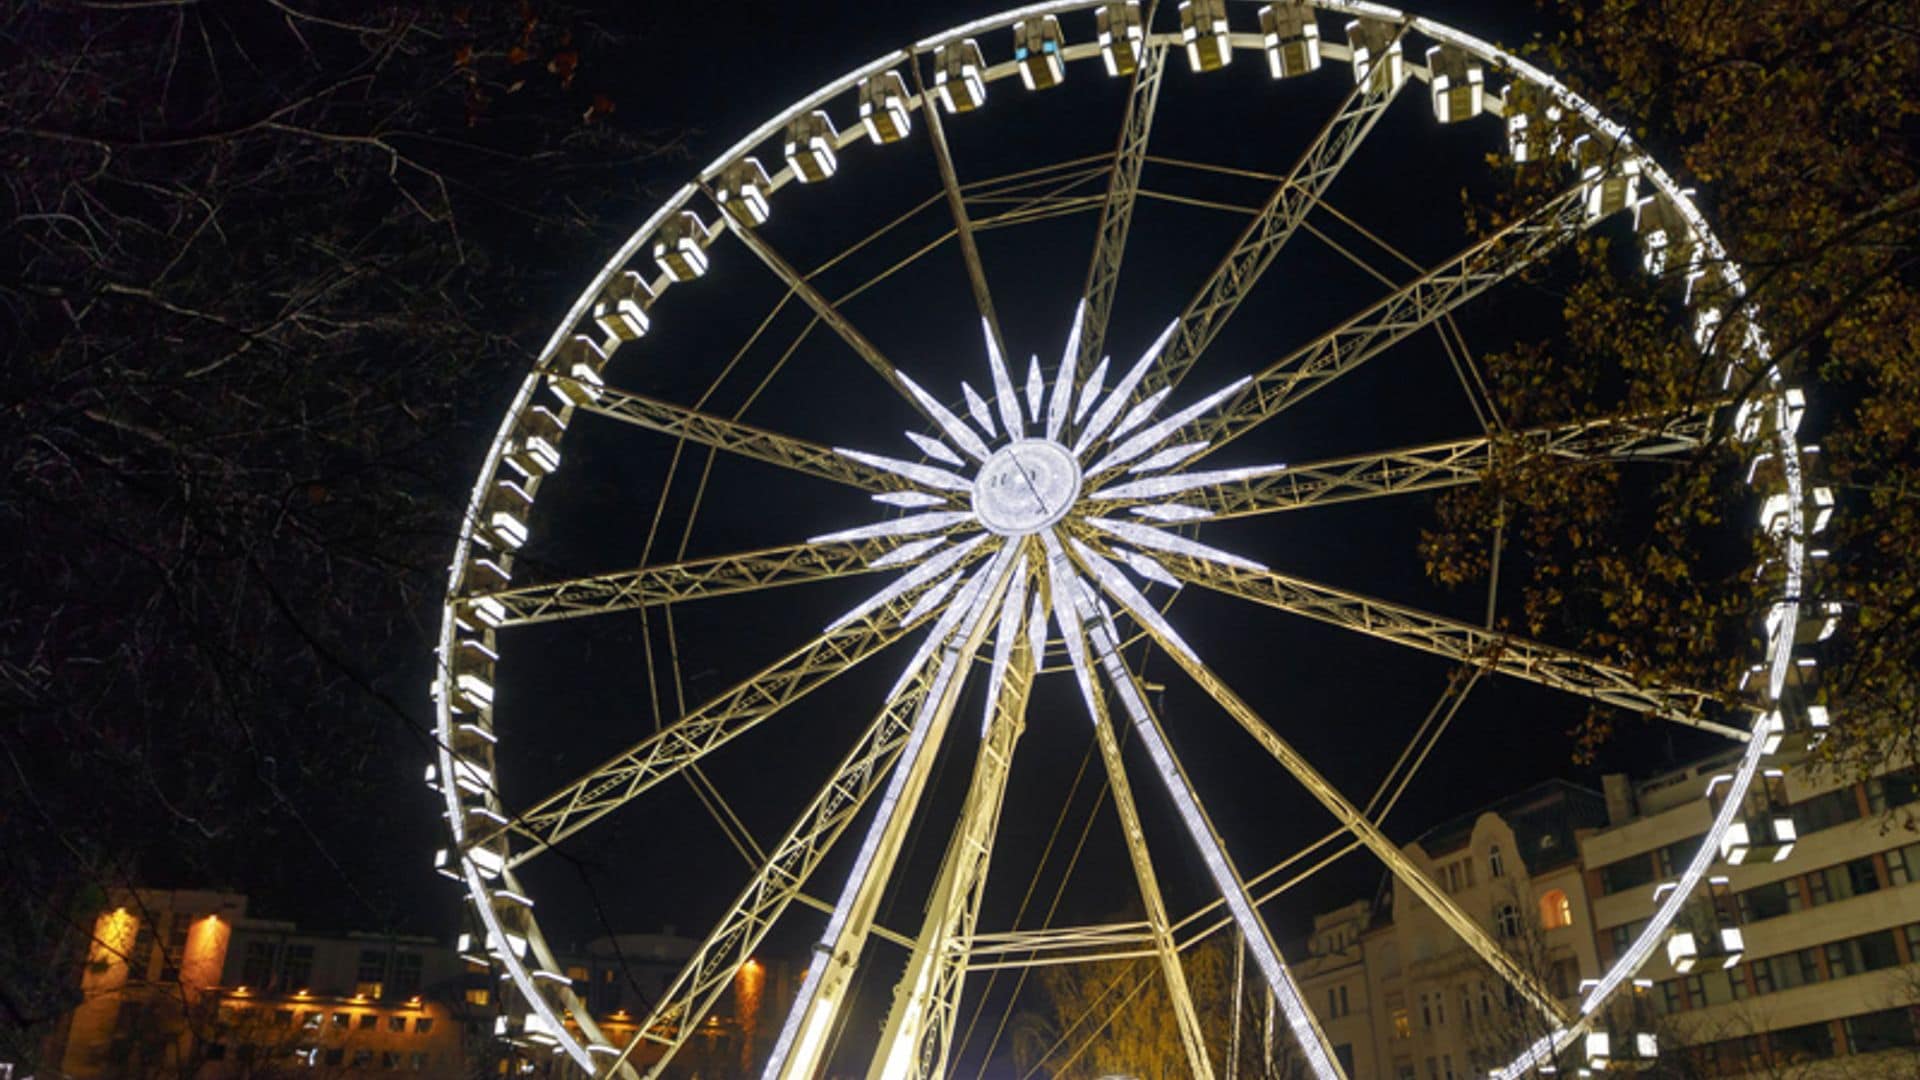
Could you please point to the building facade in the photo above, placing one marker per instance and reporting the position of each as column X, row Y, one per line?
column 1825, row 981
column 187, row 985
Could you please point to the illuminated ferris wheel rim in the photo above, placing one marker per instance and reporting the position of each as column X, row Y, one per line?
column 1772, row 417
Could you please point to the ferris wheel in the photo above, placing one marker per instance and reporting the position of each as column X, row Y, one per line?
column 1038, row 520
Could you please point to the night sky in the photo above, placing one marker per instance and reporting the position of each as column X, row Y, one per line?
column 573, row 693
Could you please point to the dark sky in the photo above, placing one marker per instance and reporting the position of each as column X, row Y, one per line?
column 573, row 693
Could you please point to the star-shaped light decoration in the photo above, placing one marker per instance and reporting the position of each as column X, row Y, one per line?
column 1054, row 464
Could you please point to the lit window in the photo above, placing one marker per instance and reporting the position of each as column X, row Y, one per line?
column 479, row 996
column 1556, row 910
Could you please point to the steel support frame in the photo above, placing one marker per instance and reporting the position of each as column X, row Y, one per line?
column 823, row 991
column 1458, row 641
column 1271, row 228
column 1159, row 922
column 1465, row 275
column 693, row 579
column 1123, row 191
column 957, row 203
column 918, row 1034
column 1362, row 828
column 745, row 440
column 1443, row 465
column 777, row 884
column 663, row 754
column 1102, row 637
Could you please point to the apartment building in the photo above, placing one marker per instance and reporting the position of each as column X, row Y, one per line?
column 1825, row 981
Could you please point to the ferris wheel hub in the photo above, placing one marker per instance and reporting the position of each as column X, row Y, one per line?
column 1026, row 486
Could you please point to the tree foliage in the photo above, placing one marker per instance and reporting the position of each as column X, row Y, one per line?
column 1796, row 120
column 266, row 270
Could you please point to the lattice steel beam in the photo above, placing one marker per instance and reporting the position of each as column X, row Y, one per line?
column 1425, row 468
column 1462, row 277
column 918, row 1034
column 734, row 437
column 732, row 941
column 1271, row 228
column 1123, row 190
column 661, row 755
column 671, row 583
column 1458, row 641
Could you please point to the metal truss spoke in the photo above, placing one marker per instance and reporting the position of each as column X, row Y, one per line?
column 918, row 1035
column 957, row 203
column 665, row 753
column 777, row 884
column 733, row 437
column 1367, row 833
column 1455, row 640
column 1462, row 277
column 1429, row 467
column 1271, row 228
column 828, row 312
column 670, row 583
column 825, row 988
column 1123, row 190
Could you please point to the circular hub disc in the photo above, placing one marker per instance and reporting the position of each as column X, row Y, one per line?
column 1026, row 487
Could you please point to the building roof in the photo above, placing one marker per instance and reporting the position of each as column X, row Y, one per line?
column 1543, row 817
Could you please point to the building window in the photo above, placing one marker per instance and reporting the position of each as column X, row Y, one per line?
column 1903, row 864
column 1556, row 911
column 1397, row 1009
column 256, row 964
column 406, row 974
column 342, row 1020
column 418, row 1060
column 422, row 1025
column 1892, row 791
column 335, row 1055
column 368, row 1021
column 1769, row 901
column 390, row 1059
column 1808, row 1042
column 396, row 1023
column 1884, row 1030
column 1628, row 873
column 479, row 996
column 1495, row 868
column 1336, row 1002
column 1825, row 811
column 1670, row 999
column 1446, row 1066
column 1439, row 1010
column 1506, row 919
column 362, row 1059
column 1426, row 1012
column 283, row 1017
column 296, row 967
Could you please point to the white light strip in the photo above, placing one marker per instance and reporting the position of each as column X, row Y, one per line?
column 1159, row 487
column 1148, row 537
column 1037, row 630
column 927, row 475
column 1063, row 382
column 910, row 500
column 1171, row 456
column 932, row 597
column 1036, row 387
column 1144, row 565
column 1003, row 394
column 912, row 579
column 1139, row 413
column 934, row 448
column 1122, row 390
column 1091, row 390
column 960, row 433
column 1225, row 878
column 849, row 892
column 906, row 552
column 977, row 407
column 1152, row 436
column 950, row 618
column 1004, row 638
column 1130, row 598
column 904, row 526
column 1173, row 512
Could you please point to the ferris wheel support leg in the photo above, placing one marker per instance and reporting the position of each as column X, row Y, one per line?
column 919, row 1028
column 1079, row 610
column 803, row 1039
